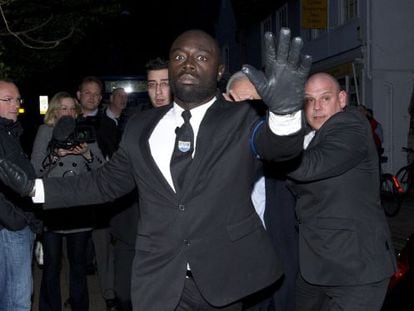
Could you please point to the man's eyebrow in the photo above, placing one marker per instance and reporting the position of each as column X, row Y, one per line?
column 324, row 93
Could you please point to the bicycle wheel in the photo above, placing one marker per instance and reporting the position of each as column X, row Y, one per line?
column 390, row 197
column 403, row 176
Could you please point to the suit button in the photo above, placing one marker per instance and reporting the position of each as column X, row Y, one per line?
column 181, row 207
column 187, row 242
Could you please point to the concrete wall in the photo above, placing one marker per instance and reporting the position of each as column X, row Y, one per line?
column 390, row 71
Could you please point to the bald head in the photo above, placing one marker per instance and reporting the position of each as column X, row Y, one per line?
column 240, row 88
column 323, row 76
column 323, row 99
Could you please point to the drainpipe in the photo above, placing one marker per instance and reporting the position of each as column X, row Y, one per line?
column 368, row 38
column 356, row 83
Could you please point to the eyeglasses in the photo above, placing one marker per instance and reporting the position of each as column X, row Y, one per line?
column 9, row 101
column 162, row 85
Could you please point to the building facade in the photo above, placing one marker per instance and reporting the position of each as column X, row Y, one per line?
column 367, row 44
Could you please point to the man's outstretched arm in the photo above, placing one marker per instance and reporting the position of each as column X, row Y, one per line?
column 15, row 178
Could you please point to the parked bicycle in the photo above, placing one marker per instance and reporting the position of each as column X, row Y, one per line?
column 390, row 191
column 405, row 174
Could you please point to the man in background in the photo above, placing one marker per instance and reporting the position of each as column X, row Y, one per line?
column 112, row 121
column 17, row 224
column 158, row 84
column 90, row 96
column 346, row 255
column 123, row 216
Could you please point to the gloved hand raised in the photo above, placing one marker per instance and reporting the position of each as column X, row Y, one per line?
column 281, row 86
column 14, row 177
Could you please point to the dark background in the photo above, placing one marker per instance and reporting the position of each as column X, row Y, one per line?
column 121, row 45
column 115, row 45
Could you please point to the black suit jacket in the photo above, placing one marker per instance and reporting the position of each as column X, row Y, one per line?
column 211, row 224
column 344, row 237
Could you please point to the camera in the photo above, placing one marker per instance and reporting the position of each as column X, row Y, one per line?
column 69, row 133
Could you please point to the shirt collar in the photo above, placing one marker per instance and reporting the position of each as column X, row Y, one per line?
column 196, row 112
column 92, row 113
column 110, row 114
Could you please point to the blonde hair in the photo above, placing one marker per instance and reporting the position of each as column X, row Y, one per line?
column 55, row 104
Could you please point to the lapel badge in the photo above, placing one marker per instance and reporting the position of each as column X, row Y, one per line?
column 184, row 146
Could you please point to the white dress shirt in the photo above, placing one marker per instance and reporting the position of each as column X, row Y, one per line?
column 162, row 139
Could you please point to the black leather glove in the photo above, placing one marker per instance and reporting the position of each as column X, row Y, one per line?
column 281, row 86
column 14, row 177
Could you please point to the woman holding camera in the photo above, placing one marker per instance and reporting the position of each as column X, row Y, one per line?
column 53, row 158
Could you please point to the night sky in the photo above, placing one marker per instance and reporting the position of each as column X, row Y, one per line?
column 122, row 45
column 143, row 31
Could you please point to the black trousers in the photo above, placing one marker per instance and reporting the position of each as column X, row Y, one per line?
column 50, row 295
column 367, row 297
column 192, row 299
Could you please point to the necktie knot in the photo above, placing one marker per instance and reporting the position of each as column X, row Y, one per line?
column 186, row 114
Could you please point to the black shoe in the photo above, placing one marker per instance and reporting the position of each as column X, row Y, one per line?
column 112, row 305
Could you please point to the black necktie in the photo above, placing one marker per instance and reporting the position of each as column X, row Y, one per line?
column 183, row 150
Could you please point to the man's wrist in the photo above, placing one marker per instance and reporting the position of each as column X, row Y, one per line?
column 287, row 124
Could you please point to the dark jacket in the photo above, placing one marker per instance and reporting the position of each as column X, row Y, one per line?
column 344, row 237
column 211, row 224
column 15, row 211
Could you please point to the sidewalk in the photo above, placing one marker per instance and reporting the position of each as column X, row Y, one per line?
column 96, row 302
column 402, row 225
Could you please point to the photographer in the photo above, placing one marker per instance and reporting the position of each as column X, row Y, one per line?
column 58, row 151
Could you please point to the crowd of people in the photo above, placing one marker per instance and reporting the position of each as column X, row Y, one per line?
column 264, row 197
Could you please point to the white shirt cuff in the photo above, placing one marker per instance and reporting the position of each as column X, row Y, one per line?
column 39, row 196
column 284, row 125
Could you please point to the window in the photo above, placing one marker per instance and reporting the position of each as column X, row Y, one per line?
column 281, row 19
column 348, row 9
column 265, row 25
column 315, row 18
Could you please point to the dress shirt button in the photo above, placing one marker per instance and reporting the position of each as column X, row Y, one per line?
column 187, row 242
column 181, row 207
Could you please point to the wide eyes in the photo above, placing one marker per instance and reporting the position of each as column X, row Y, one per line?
column 181, row 57
column 202, row 58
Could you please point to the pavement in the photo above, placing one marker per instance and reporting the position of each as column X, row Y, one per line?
column 96, row 302
column 401, row 226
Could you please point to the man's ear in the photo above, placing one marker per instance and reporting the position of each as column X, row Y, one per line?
column 342, row 99
column 220, row 72
column 78, row 95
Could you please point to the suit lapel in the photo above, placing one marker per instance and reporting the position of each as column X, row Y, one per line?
column 153, row 174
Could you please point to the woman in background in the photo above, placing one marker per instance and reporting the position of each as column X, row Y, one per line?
column 56, row 160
